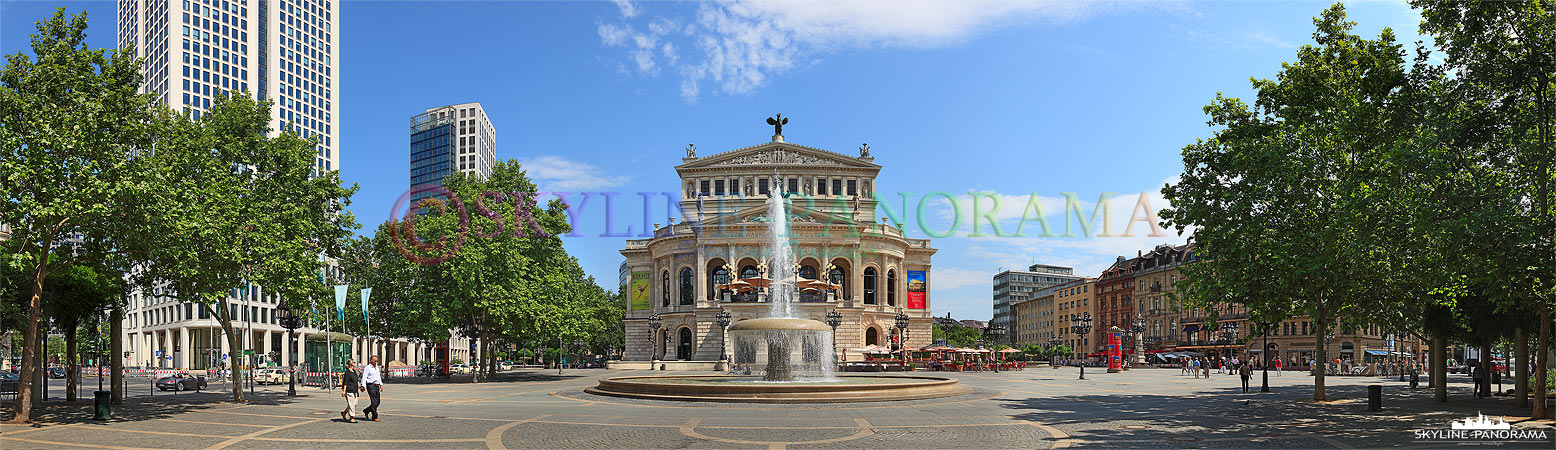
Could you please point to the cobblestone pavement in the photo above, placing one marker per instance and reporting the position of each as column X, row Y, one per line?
column 1035, row 408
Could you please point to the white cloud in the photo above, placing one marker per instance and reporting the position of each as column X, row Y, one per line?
column 744, row 42
column 556, row 173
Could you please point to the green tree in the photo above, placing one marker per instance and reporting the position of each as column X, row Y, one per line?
column 242, row 208
column 72, row 117
column 72, row 294
column 1507, row 52
column 1281, row 194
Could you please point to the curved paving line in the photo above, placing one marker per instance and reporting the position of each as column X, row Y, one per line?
column 689, row 429
column 1061, row 439
column 494, row 437
column 41, row 428
column 742, row 406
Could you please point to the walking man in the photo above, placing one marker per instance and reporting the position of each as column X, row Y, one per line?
column 348, row 390
column 375, row 386
column 1277, row 366
column 1194, row 367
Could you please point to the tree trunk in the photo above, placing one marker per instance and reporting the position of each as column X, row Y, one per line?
column 1542, row 365
column 1486, row 366
column 1521, row 372
column 30, row 350
column 1439, row 366
column 1321, row 356
column 116, row 345
column 72, row 371
column 232, row 343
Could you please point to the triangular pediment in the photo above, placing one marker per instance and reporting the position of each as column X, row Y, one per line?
column 778, row 154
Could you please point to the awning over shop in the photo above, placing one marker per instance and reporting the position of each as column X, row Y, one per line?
column 1190, row 328
column 1377, row 352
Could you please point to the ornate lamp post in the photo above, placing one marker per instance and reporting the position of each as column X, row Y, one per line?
column 723, row 317
column 291, row 322
column 1265, row 353
column 1228, row 333
column 826, row 274
column 833, row 320
column 655, row 322
column 995, row 332
column 1137, row 330
column 902, row 335
column 1081, row 325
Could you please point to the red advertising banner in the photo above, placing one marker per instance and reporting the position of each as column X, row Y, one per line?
column 917, row 288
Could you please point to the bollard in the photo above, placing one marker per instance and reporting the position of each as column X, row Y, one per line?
column 1375, row 397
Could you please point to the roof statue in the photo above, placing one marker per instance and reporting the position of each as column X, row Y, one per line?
column 691, row 150
column 778, row 121
column 864, row 150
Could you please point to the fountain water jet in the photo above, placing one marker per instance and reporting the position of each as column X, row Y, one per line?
column 784, row 347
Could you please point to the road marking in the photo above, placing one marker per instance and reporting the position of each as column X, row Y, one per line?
column 214, row 423
column 494, row 437
column 689, row 429
column 41, row 428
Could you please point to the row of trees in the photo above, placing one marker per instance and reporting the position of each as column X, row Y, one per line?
column 484, row 261
column 103, row 182
column 1370, row 185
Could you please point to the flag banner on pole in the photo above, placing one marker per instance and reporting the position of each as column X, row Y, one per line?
column 367, row 291
column 340, row 301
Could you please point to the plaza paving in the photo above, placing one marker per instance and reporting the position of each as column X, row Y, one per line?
column 1036, row 408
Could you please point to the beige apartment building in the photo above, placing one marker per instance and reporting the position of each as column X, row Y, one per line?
column 1071, row 300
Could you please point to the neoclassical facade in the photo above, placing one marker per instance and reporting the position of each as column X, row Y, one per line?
column 689, row 272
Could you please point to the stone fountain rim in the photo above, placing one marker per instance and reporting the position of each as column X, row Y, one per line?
column 780, row 323
column 929, row 387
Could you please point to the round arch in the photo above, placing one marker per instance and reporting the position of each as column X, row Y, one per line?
column 872, row 336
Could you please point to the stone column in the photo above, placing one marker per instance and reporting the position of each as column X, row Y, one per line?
column 286, row 349
column 184, row 350
column 267, row 341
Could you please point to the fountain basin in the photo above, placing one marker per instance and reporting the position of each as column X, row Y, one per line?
column 752, row 389
column 782, row 349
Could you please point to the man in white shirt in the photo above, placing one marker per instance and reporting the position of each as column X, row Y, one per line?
column 375, row 385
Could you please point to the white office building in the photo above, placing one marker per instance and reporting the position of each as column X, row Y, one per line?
column 195, row 51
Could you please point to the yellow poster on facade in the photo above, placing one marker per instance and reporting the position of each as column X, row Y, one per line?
column 639, row 293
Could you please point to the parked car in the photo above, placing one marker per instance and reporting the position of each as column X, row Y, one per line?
column 8, row 383
column 459, row 368
column 180, row 381
column 272, row 376
column 56, row 372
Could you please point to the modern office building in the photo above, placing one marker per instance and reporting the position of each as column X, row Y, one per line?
column 194, row 52
column 1015, row 286
column 447, row 140
column 285, row 51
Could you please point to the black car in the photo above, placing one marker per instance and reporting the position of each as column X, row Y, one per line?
column 180, row 381
column 56, row 372
column 8, row 383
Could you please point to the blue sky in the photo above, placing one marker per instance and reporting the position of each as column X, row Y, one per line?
column 1003, row 97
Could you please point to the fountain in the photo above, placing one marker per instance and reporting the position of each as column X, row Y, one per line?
column 786, row 348
column 780, row 358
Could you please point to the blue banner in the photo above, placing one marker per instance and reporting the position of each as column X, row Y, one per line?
column 340, row 301
column 367, row 291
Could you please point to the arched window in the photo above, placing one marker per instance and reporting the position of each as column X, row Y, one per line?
column 808, row 272
column 664, row 287
column 869, row 286
column 720, row 276
column 749, row 272
column 686, row 286
column 871, row 336
column 891, row 288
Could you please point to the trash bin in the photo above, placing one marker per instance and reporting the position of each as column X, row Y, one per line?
column 1375, row 397
column 102, row 400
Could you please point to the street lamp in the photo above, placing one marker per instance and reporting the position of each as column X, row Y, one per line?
column 1265, row 352
column 834, row 319
column 1081, row 325
column 995, row 332
column 655, row 322
column 291, row 322
column 1228, row 333
column 902, row 336
column 723, row 317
